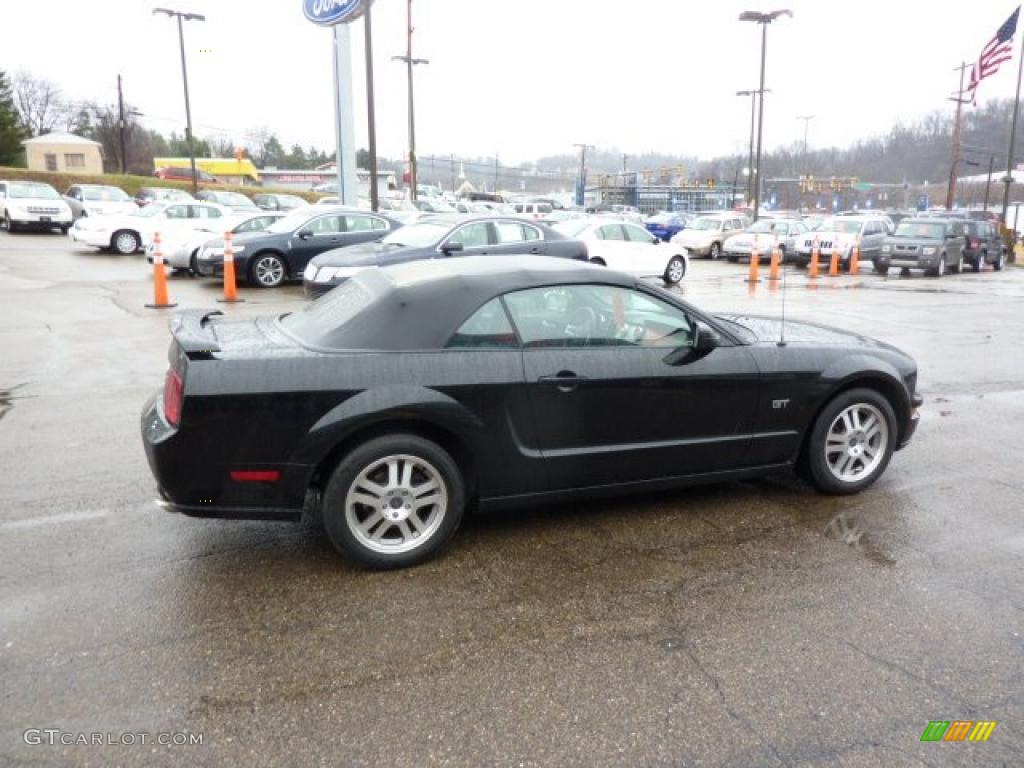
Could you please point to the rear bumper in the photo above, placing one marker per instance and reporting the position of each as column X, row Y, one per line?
column 97, row 239
column 193, row 481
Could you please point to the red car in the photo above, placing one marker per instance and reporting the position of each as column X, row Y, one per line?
column 184, row 174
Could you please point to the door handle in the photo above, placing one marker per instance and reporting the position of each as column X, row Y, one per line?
column 566, row 381
column 535, row 249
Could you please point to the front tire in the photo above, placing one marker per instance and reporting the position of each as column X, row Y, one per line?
column 940, row 270
column 716, row 251
column 979, row 263
column 675, row 271
column 267, row 271
column 958, row 268
column 851, row 442
column 124, row 242
column 1000, row 262
column 9, row 224
column 394, row 502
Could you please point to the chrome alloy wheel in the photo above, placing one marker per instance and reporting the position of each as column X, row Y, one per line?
column 396, row 504
column 269, row 271
column 856, row 442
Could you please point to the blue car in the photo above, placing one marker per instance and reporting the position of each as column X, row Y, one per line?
column 666, row 225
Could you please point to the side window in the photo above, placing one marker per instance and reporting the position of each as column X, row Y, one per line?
column 204, row 212
column 327, row 225
column 610, row 232
column 487, row 327
column 637, row 235
column 509, row 232
column 472, row 235
column 531, row 233
column 177, row 212
column 355, row 223
column 597, row 316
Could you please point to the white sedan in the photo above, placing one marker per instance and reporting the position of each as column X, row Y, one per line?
column 180, row 249
column 627, row 247
column 127, row 234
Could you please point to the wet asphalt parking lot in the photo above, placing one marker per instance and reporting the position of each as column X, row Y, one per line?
column 743, row 624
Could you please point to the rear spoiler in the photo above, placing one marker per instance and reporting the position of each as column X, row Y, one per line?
column 192, row 331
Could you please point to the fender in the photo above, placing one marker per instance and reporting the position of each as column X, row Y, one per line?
column 381, row 404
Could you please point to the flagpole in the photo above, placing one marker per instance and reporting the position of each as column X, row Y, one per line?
column 1013, row 135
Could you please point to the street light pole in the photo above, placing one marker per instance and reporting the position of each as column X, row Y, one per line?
column 753, row 114
column 582, row 189
column 409, row 63
column 764, row 19
column 180, row 16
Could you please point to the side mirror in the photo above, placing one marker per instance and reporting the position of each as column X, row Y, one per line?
column 449, row 248
column 304, row 234
column 706, row 338
column 656, row 240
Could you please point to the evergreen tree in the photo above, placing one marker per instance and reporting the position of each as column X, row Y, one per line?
column 11, row 130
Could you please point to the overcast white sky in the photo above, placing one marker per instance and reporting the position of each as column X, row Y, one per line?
column 523, row 78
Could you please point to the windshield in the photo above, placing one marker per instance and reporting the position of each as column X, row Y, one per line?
column 931, row 230
column 106, row 194
column 34, row 190
column 417, row 235
column 845, row 226
column 233, row 198
column 763, row 225
column 706, row 224
column 151, row 210
column 572, row 228
column 290, row 221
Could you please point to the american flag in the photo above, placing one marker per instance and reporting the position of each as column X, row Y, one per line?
column 998, row 50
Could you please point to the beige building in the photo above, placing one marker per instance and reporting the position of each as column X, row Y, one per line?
column 64, row 153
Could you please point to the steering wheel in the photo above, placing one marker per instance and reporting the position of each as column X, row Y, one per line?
column 582, row 322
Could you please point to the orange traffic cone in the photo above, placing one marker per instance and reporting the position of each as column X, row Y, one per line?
column 160, row 298
column 230, row 289
column 755, row 264
column 833, row 267
column 855, row 259
column 815, row 258
column 773, row 270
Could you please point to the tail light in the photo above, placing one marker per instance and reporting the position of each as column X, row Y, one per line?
column 174, row 392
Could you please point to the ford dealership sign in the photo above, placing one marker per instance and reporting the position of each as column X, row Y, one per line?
column 331, row 12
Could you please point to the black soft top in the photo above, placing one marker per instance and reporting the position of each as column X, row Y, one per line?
column 419, row 304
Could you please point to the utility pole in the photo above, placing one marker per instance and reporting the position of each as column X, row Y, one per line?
column 495, row 173
column 988, row 182
column 960, row 101
column 581, row 183
column 807, row 119
column 371, row 119
column 184, row 79
column 624, row 158
column 409, row 63
column 453, row 172
column 753, row 114
column 121, row 125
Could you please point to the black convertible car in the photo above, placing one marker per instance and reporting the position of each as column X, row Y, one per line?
column 439, row 237
column 411, row 392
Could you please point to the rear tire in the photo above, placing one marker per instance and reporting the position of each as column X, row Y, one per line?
column 940, row 270
column 715, row 252
column 9, row 224
column 394, row 501
column 979, row 263
column 851, row 442
column 958, row 268
column 1000, row 262
column 880, row 270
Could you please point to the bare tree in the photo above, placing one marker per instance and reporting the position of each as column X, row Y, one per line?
column 40, row 103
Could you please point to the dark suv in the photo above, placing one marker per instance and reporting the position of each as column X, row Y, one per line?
column 984, row 245
column 931, row 244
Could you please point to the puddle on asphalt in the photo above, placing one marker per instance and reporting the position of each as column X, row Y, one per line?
column 849, row 530
column 7, row 399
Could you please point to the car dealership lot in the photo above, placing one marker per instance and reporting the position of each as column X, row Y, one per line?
column 744, row 624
